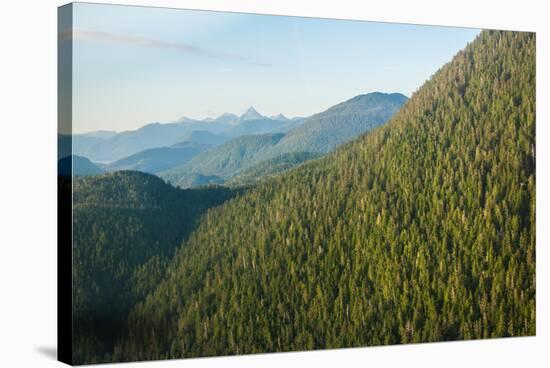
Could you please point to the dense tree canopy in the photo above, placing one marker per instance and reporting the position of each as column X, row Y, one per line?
column 271, row 167
column 126, row 226
column 422, row 230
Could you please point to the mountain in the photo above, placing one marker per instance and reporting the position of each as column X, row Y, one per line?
column 223, row 161
column 123, row 144
column 158, row 159
column 78, row 144
column 251, row 114
column 421, row 230
column 279, row 117
column 261, row 126
column 251, row 122
column 150, row 136
column 271, row 167
column 327, row 130
column 101, row 134
column 318, row 134
column 126, row 225
column 81, row 166
column 107, row 147
column 204, row 137
column 195, row 180
column 227, row 118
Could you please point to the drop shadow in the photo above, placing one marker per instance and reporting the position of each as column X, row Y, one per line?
column 48, row 351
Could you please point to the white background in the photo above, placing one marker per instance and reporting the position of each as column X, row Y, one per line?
column 28, row 181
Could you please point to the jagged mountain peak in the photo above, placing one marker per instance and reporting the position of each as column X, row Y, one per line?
column 251, row 114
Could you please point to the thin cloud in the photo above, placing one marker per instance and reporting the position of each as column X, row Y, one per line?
column 79, row 34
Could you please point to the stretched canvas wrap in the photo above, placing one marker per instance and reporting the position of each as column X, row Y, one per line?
column 238, row 183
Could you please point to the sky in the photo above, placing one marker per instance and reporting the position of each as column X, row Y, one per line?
column 136, row 65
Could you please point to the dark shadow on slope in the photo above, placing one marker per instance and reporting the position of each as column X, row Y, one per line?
column 126, row 228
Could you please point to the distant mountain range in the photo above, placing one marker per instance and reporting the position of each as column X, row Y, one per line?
column 107, row 146
column 316, row 135
column 263, row 126
column 251, row 114
column 191, row 153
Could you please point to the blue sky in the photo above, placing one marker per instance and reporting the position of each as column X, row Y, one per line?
column 136, row 65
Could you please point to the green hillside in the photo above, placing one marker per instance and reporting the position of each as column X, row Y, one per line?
column 422, row 230
column 341, row 123
column 194, row 180
column 126, row 225
column 223, row 161
column 202, row 137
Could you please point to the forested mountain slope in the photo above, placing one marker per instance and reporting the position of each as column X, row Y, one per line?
column 422, row 230
column 225, row 160
column 126, row 225
column 341, row 123
column 202, row 137
column 194, row 180
column 318, row 134
column 271, row 167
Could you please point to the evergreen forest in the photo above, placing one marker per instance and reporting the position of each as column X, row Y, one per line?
column 419, row 230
